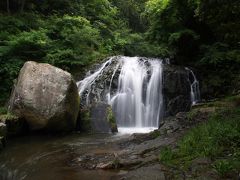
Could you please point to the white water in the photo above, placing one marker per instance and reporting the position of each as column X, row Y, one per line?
column 122, row 130
column 138, row 102
column 134, row 106
column 195, row 91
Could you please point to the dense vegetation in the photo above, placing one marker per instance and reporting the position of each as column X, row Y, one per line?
column 73, row 34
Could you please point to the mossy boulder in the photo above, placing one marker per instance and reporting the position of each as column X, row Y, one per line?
column 97, row 118
column 84, row 120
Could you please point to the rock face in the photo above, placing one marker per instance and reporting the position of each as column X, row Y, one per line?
column 176, row 90
column 46, row 97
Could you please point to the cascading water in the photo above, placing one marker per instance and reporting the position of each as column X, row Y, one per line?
column 133, row 86
column 134, row 104
column 195, row 91
column 138, row 101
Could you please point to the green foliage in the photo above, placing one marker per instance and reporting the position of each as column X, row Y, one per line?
column 192, row 114
column 111, row 119
column 223, row 167
column 75, row 34
column 200, row 33
column 3, row 110
column 166, row 155
column 69, row 34
column 219, row 137
column 155, row 134
column 84, row 120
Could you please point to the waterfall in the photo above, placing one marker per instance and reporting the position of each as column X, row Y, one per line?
column 138, row 101
column 195, row 91
column 133, row 87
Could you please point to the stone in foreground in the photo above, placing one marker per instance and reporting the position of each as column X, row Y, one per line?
column 46, row 97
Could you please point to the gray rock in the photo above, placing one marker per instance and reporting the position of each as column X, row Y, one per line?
column 152, row 172
column 176, row 90
column 102, row 118
column 46, row 96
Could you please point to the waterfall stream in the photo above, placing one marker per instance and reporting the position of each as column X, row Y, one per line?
column 137, row 101
column 195, row 90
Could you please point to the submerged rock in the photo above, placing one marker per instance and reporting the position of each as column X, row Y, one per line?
column 46, row 96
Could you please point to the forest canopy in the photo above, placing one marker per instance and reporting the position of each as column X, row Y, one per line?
column 74, row 34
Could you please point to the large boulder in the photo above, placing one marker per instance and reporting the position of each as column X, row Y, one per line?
column 46, row 97
column 176, row 90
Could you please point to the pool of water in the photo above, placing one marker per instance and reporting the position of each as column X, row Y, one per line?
column 53, row 157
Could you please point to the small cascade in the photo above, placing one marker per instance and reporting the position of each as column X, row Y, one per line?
column 86, row 83
column 195, row 90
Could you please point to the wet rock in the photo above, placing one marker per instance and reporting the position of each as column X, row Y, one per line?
column 99, row 118
column 176, row 90
column 102, row 83
column 46, row 97
column 108, row 165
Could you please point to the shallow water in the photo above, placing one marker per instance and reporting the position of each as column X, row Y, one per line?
column 51, row 157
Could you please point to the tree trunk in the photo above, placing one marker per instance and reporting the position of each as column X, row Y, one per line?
column 8, row 8
column 22, row 6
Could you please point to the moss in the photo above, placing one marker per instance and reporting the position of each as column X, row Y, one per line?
column 192, row 114
column 155, row 134
column 84, row 120
column 8, row 117
column 3, row 110
column 111, row 119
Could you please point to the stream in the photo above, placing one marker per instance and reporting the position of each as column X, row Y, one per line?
column 53, row 157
